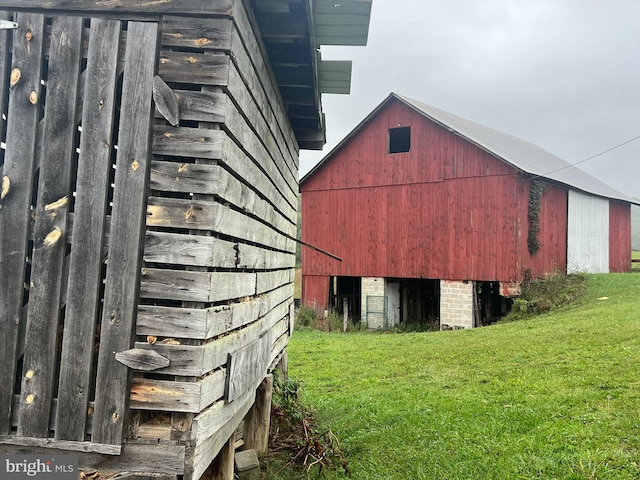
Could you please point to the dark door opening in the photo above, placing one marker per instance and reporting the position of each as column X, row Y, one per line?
column 420, row 303
column 346, row 289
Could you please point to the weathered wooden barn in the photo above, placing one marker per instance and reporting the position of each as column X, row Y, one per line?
column 439, row 219
column 148, row 218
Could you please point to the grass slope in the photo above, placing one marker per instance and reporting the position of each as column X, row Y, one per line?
column 555, row 397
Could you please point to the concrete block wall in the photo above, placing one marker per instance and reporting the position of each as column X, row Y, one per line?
column 372, row 286
column 456, row 304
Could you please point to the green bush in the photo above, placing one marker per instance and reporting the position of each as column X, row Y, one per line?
column 306, row 316
column 544, row 295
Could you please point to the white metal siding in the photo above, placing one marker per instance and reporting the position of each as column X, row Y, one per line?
column 587, row 234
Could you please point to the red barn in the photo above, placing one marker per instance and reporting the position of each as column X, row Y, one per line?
column 439, row 219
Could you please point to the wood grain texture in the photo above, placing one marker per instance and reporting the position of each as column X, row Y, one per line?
column 195, row 361
column 178, row 396
column 209, row 441
column 54, row 189
column 142, row 360
column 89, row 220
column 127, row 226
column 133, row 457
column 5, row 66
column 219, row 7
column 247, row 366
column 18, row 168
column 201, row 33
column 194, row 67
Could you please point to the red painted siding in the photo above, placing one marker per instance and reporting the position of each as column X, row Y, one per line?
column 315, row 291
column 445, row 210
column 619, row 237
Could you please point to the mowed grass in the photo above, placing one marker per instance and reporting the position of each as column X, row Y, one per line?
column 553, row 397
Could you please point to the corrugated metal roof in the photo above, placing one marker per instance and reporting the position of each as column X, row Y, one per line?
column 521, row 154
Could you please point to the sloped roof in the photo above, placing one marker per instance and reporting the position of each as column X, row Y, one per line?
column 519, row 153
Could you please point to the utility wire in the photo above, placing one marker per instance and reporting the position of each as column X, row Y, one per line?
column 588, row 158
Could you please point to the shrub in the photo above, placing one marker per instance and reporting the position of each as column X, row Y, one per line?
column 544, row 295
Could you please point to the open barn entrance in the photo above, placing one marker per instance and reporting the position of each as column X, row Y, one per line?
column 419, row 302
column 492, row 306
column 344, row 293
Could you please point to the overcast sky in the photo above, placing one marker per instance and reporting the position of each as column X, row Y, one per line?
column 562, row 74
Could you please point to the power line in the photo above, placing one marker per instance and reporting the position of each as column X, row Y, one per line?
column 588, row 158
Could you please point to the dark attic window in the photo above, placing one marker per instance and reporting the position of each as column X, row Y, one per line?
column 399, row 139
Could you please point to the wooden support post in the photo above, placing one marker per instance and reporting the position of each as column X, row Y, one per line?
column 283, row 366
column 256, row 430
column 222, row 467
column 345, row 313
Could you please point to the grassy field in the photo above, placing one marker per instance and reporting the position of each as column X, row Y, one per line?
column 554, row 397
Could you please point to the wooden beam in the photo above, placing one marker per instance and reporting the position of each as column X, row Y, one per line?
column 90, row 223
column 258, row 420
column 127, row 232
column 202, row 7
column 18, row 168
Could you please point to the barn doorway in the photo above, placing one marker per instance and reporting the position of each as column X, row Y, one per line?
column 491, row 305
column 419, row 303
column 346, row 291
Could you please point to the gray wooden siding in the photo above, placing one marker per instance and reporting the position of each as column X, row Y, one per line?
column 172, row 256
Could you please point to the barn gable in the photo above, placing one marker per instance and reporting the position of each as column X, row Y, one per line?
column 417, row 193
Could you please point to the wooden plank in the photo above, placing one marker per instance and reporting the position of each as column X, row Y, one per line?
column 187, row 142
column 54, row 189
column 200, row 106
column 243, row 131
column 175, row 285
column 85, row 277
column 247, row 366
column 166, row 101
column 208, row 323
column 174, row 321
column 196, row 68
column 127, row 227
column 88, row 447
column 22, row 121
column 214, row 180
column 239, row 162
column 17, row 403
column 255, row 49
column 142, row 360
column 253, row 257
column 133, row 457
column 270, row 280
column 225, row 418
column 255, row 107
column 201, row 33
column 5, row 65
column 194, row 361
column 219, row 7
column 194, row 250
column 211, row 216
column 258, row 421
column 177, row 396
column 230, row 285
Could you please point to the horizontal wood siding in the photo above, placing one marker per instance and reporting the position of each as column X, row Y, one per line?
column 619, row 237
column 205, row 195
column 217, row 284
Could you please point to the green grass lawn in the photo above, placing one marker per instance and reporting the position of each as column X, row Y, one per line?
column 553, row 397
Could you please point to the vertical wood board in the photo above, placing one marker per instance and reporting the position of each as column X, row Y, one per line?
column 127, row 227
column 54, row 191
column 85, row 277
column 22, row 121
